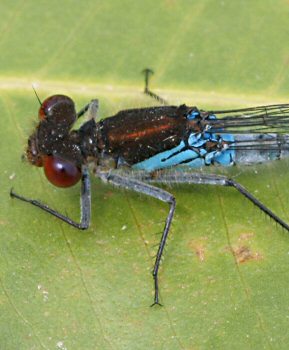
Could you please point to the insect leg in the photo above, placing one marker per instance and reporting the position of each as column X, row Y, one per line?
column 259, row 204
column 147, row 73
column 85, row 204
column 157, row 193
column 91, row 108
column 211, row 179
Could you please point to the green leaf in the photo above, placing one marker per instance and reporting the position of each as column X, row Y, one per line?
column 224, row 278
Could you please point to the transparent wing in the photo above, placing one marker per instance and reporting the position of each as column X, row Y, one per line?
column 255, row 128
column 262, row 119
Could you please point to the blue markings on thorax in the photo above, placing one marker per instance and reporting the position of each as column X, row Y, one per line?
column 194, row 152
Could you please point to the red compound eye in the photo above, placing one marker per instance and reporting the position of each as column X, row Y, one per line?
column 60, row 172
column 59, row 109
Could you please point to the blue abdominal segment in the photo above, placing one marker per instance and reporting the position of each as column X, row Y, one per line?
column 195, row 158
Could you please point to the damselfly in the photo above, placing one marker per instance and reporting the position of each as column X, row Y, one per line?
column 156, row 144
